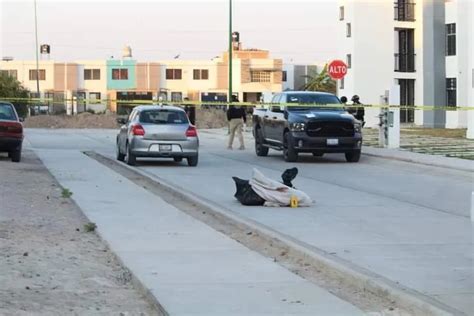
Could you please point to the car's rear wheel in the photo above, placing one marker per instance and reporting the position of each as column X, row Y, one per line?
column 289, row 152
column 260, row 149
column 16, row 155
column 119, row 155
column 178, row 159
column 193, row 161
column 130, row 158
column 353, row 156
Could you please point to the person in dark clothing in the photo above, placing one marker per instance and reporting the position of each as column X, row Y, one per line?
column 190, row 110
column 344, row 100
column 236, row 118
column 358, row 112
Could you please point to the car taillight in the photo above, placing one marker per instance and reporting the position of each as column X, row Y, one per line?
column 191, row 132
column 138, row 130
column 15, row 128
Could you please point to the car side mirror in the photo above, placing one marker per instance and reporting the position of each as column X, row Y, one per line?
column 21, row 119
column 122, row 120
column 285, row 114
column 276, row 109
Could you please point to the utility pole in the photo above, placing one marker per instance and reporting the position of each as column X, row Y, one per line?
column 37, row 62
column 230, row 51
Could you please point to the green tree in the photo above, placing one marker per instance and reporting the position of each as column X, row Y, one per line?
column 10, row 88
column 320, row 82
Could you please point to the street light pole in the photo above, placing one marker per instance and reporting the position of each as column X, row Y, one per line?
column 230, row 51
column 37, row 62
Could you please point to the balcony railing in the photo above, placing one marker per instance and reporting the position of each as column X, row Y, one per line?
column 404, row 11
column 405, row 62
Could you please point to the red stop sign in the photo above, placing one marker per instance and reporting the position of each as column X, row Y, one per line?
column 337, row 69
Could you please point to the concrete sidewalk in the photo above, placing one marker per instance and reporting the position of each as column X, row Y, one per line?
column 190, row 268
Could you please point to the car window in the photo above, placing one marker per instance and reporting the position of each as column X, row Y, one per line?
column 132, row 116
column 7, row 113
column 275, row 98
column 322, row 99
column 163, row 117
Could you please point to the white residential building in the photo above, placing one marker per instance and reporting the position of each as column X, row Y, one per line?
column 424, row 46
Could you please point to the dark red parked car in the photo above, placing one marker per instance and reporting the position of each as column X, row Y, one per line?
column 11, row 131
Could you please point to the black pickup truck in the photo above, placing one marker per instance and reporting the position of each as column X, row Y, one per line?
column 311, row 125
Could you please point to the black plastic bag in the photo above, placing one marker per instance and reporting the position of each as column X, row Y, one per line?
column 289, row 175
column 245, row 194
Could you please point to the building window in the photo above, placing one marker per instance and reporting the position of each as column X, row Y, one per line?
column 451, row 39
column 173, row 74
column 341, row 83
column 341, row 13
column 260, row 76
column 451, row 92
column 94, row 97
column 200, row 74
column 91, row 74
column 349, row 60
column 176, row 96
column 348, row 30
column 10, row 72
column 42, row 74
column 119, row 74
column 283, row 76
column 404, row 10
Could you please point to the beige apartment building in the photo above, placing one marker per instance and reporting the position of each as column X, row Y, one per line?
column 90, row 82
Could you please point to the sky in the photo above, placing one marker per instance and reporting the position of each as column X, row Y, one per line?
column 297, row 31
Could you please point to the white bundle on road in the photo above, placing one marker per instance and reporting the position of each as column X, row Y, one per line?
column 276, row 193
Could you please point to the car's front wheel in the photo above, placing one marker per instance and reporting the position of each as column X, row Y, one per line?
column 260, row 150
column 193, row 161
column 289, row 152
column 130, row 158
column 353, row 156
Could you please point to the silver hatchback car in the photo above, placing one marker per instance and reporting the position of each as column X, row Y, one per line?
column 157, row 131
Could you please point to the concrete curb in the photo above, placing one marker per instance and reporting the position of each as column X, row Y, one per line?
column 342, row 270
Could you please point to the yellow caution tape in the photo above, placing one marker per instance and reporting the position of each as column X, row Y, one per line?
column 244, row 104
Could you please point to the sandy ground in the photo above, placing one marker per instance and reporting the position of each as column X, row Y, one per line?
column 49, row 265
column 205, row 118
column 83, row 120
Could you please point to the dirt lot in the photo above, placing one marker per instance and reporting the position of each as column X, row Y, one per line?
column 49, row 264
column 205, row 118
column 83, row 120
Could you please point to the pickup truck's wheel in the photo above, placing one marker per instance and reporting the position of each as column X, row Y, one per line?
column 289, row 152
column 353, row 156
column 260, row 150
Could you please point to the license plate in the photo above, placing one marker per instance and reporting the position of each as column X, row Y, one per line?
column 165, row 147
column 332, row 142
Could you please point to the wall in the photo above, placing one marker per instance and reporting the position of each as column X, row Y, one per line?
column 93, row 85
column 434, row 62
column 372, row 56
column 23, row 68
column 469, row 9
column 128, row 84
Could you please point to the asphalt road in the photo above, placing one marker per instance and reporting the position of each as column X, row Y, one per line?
column 406, row 222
